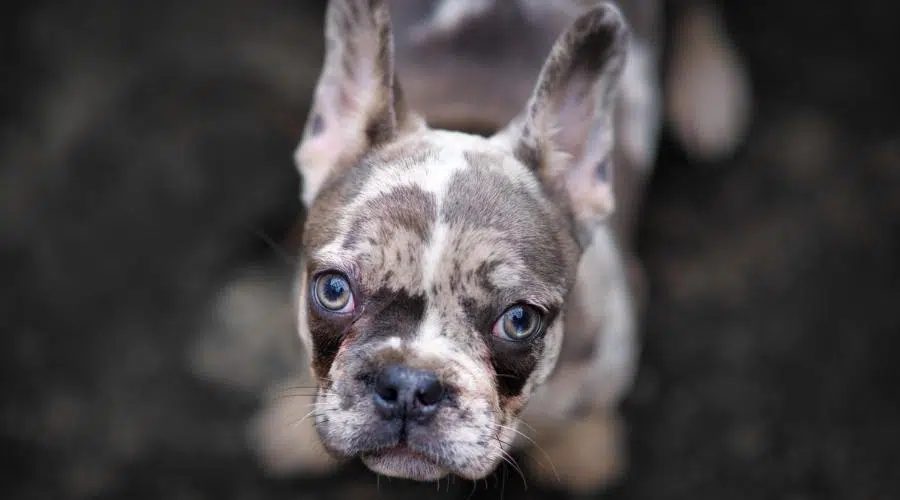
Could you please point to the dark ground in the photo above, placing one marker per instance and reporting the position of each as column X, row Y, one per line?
column 144, row 145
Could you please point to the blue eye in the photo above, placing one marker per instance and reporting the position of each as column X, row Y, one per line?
column 333, row 293
column 518, row 323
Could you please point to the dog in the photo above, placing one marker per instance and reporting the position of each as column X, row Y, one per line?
column 442, row 270
column 455, row 285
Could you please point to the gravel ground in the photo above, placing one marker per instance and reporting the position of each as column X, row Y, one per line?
column 146, row 148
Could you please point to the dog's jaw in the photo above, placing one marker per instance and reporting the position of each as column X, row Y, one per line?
column 405, row 463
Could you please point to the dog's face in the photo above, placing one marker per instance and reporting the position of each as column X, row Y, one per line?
column 436, row 264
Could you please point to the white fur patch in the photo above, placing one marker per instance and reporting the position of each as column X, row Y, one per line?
column 393, row 342
column 431, row 343
column 433, row 254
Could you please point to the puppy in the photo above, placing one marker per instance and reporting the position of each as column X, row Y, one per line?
column 443, row 273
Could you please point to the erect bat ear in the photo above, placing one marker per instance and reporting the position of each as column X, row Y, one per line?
column 565, row 132
column 358, row 103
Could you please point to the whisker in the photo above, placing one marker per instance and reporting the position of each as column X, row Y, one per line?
column 512, row 459
column 301, row 393
column 534, row 443
column 474, row 487
column 300, row 421
column 512, row 462
column 284, row 396
column 303, row 387
column 521, row 421
column 503, row 483
column 532, row 429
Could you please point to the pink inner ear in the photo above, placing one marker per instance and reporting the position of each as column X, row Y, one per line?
column 573, row 117
column 345, row 101
column 581, row 130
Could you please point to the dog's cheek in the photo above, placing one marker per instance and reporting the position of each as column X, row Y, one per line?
column 531, row 369
column 326, row 343
column 469, row 437
column 513, row 366
column 343, row 376
column 331, row 338
column 331, row 423
column 344, row 408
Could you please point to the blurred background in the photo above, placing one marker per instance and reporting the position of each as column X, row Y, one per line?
column 145, row 168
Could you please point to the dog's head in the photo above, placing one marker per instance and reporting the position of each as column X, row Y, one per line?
column 436, row 264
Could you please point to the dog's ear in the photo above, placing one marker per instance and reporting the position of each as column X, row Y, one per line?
column 358, row 103
column 565, row 133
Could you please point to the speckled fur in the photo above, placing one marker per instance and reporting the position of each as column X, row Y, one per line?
column 439, row 232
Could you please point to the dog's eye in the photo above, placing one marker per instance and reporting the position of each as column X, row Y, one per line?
column 518, row 323
column 333, row 293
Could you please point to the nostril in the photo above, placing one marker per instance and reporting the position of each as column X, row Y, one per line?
column 430, row 392
column 403, row 392
column 388, row 394
column 386, row 390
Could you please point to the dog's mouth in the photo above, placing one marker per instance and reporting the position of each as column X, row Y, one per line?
column 404, row 462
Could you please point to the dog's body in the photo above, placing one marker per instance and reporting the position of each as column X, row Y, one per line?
column 433, row 243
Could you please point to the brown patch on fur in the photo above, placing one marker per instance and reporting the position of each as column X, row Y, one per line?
column 342, row 186
column 404, row 207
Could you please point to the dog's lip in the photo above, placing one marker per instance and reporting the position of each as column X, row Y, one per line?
column 399, row 451
column 403, row 461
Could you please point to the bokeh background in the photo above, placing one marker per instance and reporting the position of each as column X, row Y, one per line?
column 146, row 165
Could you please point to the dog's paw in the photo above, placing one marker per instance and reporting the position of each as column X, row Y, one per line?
column 284, row 439
column 247, row 340
column 587, row 456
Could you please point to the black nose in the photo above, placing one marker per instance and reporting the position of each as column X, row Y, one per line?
column 404, row 392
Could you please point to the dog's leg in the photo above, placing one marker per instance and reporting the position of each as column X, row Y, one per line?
column 585, row 455
column 283, row 436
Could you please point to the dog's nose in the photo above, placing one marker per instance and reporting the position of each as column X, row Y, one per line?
column 404, row 392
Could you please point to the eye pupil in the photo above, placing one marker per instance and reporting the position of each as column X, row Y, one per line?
column 519, row 322
column 333, row 292
column 519, row 319
column 334, row 289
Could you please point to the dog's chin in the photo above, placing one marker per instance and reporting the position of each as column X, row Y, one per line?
column 403, row 462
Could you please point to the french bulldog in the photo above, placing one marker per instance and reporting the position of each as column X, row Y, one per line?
column 462, row 296
column 442, row 271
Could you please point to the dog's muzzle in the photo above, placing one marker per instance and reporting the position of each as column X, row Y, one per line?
column 406, row 400
column 407, row 395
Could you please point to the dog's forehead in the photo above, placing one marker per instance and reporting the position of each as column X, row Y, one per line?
column 425, row 211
